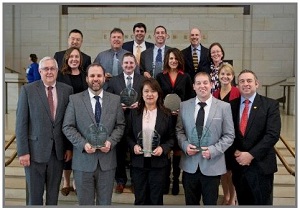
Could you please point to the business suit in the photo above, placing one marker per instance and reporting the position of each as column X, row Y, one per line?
column 146, row 63
column 254, row 183
column 149, row 173
column 59, row 57
column 203, row 64
column 116, row 85
column 129, row 45
column 79, row 116
column 41, row 137
column 220, row 137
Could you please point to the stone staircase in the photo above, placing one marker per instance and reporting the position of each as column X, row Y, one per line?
column 15, row 187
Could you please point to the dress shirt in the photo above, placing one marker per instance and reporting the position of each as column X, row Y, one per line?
column 162, row 52
column 54, row 94
column 149, row 120
column 206, row 109
column 143, row 47
column 93, row 100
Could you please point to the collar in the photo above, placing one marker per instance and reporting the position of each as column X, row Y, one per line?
column 208, row 101
column 91, row 94
column 250, row 98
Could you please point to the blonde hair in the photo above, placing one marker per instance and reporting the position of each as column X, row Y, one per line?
column 228, row 67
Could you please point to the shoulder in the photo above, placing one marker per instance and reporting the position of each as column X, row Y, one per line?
column 203, row 48
column 186, row 49
column 112, row 96
column 128, row 43
column 60, row 53
column 149, row 44
column 61, row 85
column 85, row 55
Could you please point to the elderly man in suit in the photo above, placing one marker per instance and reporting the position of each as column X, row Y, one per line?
column 152, row 59
column 94, row 165
column 127, row 79
column 203, row 160
column 41, row 145
column 75, row 40
column 138, row 45
column 257, row 129
column 201, row 60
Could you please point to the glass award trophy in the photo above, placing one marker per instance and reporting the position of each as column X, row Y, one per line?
column 200, row 140
column 148, row 140
column 97, row 135
column 172, row 101
column 128, row 96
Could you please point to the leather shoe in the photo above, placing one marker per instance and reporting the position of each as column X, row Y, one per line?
column 175, row 188
column 119, row 188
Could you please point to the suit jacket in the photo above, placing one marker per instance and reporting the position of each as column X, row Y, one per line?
column 220, row 137
column 59, row 56
column 79, row 116
column 183, row 85
column 129, row 45
column 262, row 133
column 146, row 63
column 164, row 128
column 35, row 130
column 203, row 65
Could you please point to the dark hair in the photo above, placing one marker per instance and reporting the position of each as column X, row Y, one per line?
column 66, row 69
column 248, row 71
column 203, row 74
column 129, row 54
column 94, row 65
column 160, row 27
column 156, row 87
column 33, row 57
column 210, row 47
column 117, row 30
column 139, row 25
column 178, row 56
column 76, row 31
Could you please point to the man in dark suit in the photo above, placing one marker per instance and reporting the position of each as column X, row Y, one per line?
column 116, row 85
column 253, row 156
column 202, row 55
column 94, row 167
column 150, row 64
column 75, row 40
column 41, row 145
column 138, row 45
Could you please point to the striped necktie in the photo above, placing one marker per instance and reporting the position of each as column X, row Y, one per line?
column 195, row 59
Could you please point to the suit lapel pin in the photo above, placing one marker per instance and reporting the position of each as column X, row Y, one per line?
column 255, row 107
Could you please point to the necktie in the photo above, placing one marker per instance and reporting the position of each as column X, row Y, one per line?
column 97, row 109
column 244, row 118
column 129, row 82
column 158, row 56
column 200, row 118
column 195, row 59
column 138, row 53
column 115, row 70
column 50, row 101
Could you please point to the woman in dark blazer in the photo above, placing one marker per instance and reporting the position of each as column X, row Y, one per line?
column 148, row 167
column 173, row 80
column 71, row 74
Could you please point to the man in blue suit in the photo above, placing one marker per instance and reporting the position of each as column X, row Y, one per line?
column 203, row 167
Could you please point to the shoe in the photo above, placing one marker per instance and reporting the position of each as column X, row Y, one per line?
column 119, row 188
column 65, row 191
column 175, row 188
column 132, row 188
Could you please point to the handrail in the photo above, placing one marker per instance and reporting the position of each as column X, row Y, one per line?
column 14, row 155
column 11, row 70
column 269, row 85
column 282, row 159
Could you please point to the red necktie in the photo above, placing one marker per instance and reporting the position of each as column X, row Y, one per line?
column 244, row 118
column 50, row 101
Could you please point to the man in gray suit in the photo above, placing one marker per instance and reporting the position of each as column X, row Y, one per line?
column 152, row 59
column 94, row 168
column 202, row 167
column 41, row 145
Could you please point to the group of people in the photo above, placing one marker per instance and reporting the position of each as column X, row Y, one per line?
column 221, row 132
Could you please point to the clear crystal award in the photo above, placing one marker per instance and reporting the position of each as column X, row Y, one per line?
column 148, row 140
column 128, row 96
column 199, row 140
column 96, row 135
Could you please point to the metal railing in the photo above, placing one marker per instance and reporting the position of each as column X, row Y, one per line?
column 14, row 154
column 269, row 85
column 12, row 70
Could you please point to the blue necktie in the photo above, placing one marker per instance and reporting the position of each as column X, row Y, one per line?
column 158, row 56
column 129, row 82
column 97, row 109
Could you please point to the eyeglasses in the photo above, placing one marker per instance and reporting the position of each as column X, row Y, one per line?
column 52, row 69
column 216, row 52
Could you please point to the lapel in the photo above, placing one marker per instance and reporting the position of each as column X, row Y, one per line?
column 42, row 94
column 189, row 113
column 59, row 109
column 121, row 82
column 105, row 112
column 253, row 111
column 139, row 123
column 212, row 112
column 178, row 79
column 87, row 103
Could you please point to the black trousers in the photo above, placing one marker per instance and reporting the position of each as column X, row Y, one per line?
column 121, row 149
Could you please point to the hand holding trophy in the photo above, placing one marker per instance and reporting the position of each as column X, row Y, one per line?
column 96, row 135
column 128, row 97
column 148, row 140
column 198, row 139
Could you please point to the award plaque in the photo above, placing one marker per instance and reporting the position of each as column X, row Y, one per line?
column 172, row 101
column 148, row 140
column 128, row 96
column 199, row 141
column 97, row 135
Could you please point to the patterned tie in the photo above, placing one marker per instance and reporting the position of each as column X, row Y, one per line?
column 115, row 70
column 195, row 59
column 158, row 56
column 50, row 101
column 138, row 53
column 129, row 82
column 244, row 118
column 200, row 118
column 97, row 109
